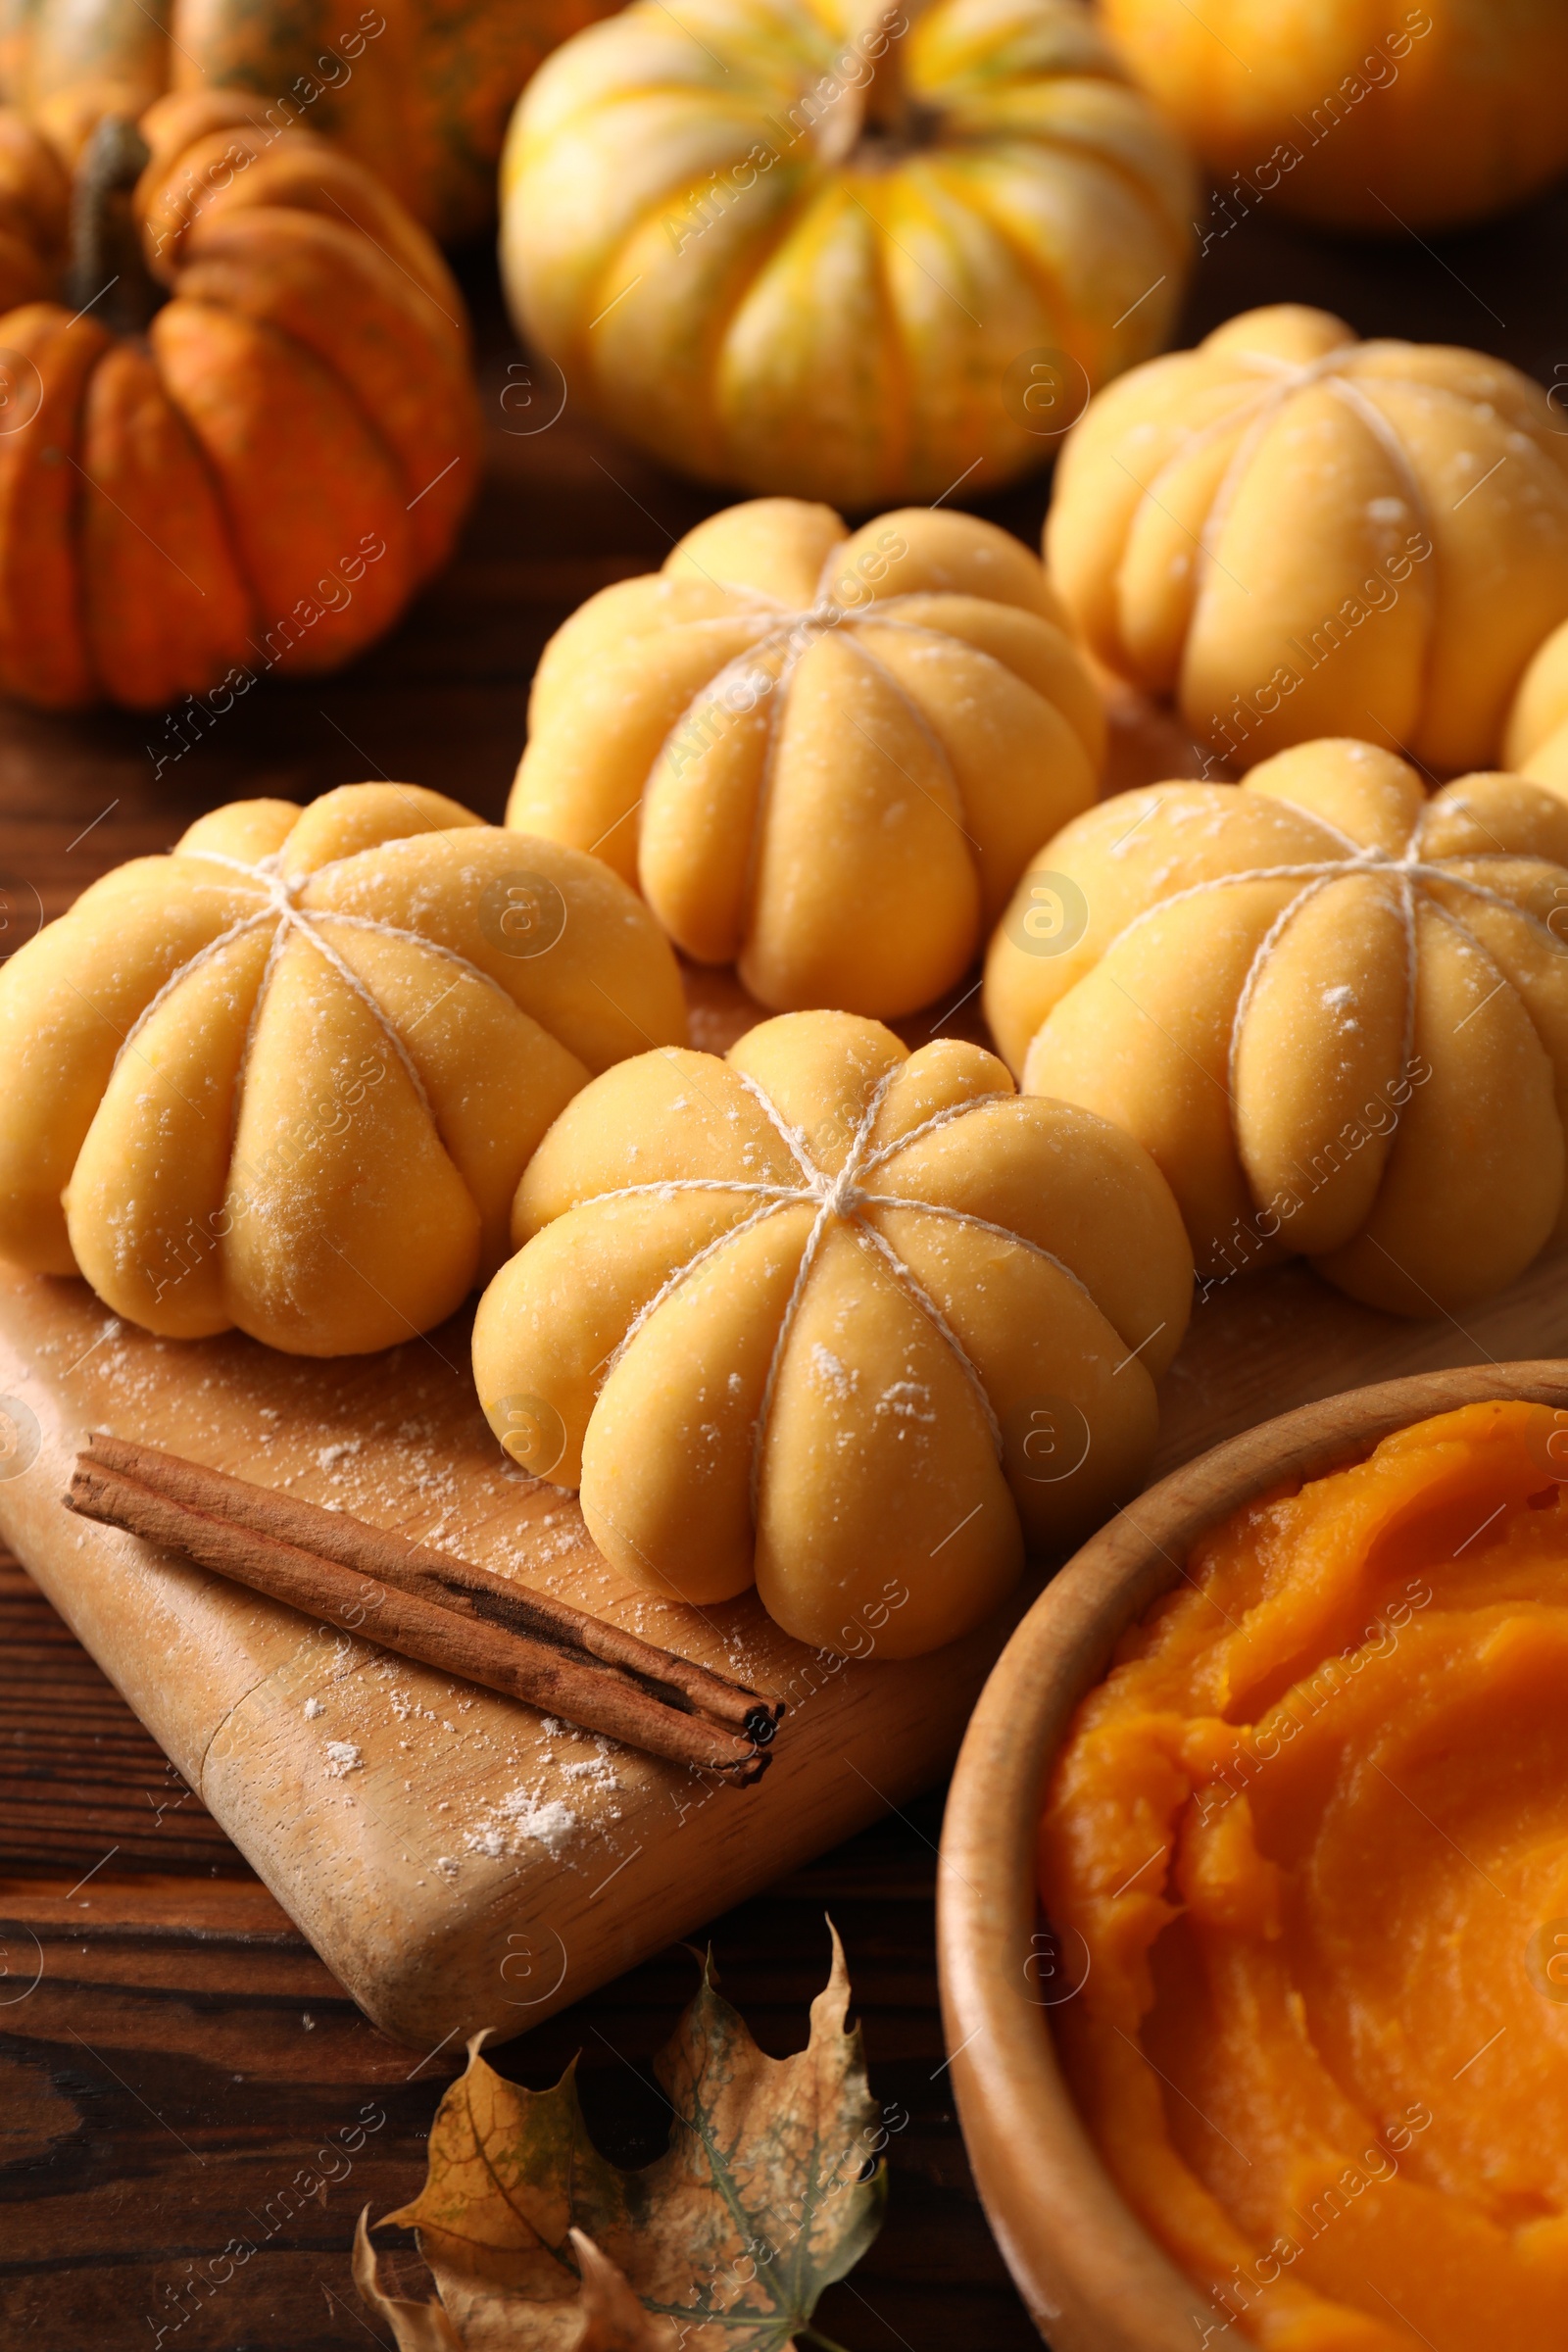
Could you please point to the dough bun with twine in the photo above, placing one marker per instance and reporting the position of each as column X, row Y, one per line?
column 855, row 1324
column 1296, row 534
column 1333, row 1010
column 288, row 1076
column 824, row 758
column 1535, row 744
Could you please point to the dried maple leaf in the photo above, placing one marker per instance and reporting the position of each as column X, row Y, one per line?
column 763, row 2198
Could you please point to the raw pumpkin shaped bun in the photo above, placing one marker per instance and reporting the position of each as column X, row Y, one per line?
column 1296, row 534
column 1336, row 1014
column 823, row 757
column 287, row 1077
column 1535, row 744
column 830, row 1315
column 845, row 251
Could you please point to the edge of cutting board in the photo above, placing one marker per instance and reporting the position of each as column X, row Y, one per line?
column 398, row 1857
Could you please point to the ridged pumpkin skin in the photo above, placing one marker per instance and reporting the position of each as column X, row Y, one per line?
column 263, row 478
column 773, row 275
column 846, row 1320
column 34, row 212
column 1436, row 126
column 1296, row 534
column 288, row 1076
column 419, row 92
column 1335, row 1012
column 822, row 758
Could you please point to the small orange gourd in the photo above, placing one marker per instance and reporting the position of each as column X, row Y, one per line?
column 417, row 91
column 237, row 425
column 1358, row 114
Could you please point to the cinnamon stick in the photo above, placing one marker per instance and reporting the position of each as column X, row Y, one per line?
column 453, row 1584
column 426, row 1605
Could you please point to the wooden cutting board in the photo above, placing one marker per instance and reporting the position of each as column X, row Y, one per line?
column 457, row 1860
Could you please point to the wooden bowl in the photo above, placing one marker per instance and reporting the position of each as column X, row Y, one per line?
column 1093, row 2277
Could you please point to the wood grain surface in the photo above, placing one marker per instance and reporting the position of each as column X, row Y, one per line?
column 173, row 2058
column 434, row 1840
column 162, row 2085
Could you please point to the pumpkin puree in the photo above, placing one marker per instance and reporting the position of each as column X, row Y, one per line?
column 1314, row 1831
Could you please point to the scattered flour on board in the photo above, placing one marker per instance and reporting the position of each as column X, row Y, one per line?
column 342, row 1758
column 598, row 1770
column 313, row 1708
column 521, row 1815
column 551, row 1537
column 526, row 1815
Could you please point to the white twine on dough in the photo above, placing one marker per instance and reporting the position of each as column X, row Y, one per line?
column 1259, row 414
column 807, row 627
column 1353, row 387
column 291, row 918
column 777, row 625
column 838, row 1196
column 1253, row 413
column 288, row 918
column 1407, row 871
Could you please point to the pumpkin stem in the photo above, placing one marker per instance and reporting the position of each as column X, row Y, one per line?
column 107, row 272
column 876, row 120
column 887, row 101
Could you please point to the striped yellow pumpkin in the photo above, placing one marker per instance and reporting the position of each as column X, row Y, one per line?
column 850, row 261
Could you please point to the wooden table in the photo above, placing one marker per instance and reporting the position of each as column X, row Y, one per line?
column 171, row 2053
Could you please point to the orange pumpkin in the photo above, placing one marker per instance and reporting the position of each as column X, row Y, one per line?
column 419, row 91
column 1358, row 114
column 259, row 473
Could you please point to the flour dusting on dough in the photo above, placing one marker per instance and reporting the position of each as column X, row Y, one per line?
column 828, row 1369
column 906, row 1399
